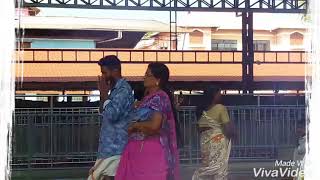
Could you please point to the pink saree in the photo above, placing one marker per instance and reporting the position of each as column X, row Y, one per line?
column 155, row 157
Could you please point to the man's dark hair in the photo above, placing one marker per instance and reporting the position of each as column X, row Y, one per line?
column 112, row 62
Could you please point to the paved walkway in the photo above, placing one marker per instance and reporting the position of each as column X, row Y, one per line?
column 239, row 170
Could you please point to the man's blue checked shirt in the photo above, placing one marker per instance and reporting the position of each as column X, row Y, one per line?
column 115, row 120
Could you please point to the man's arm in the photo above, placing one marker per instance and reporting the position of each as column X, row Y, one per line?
column 120, row 102
column 103, row 103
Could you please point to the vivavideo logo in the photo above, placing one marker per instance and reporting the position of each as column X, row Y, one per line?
column 283, row 169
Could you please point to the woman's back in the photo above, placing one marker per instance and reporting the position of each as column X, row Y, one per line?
column 214, row 117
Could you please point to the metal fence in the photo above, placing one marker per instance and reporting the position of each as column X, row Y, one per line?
column 262, row 131
column 64, row 137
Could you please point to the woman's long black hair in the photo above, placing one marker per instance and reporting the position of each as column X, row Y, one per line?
column 161, row 71
column 139, row 91
column 207, row 98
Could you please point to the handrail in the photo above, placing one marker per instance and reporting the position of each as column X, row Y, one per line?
column 165, row 56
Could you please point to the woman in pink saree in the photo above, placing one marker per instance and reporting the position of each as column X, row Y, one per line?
column 151, row 152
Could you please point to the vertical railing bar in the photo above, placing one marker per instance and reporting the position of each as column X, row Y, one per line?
column 76, row 55
column 143, row 56
column 33, row 55
column 62, row 55
column 48, row 57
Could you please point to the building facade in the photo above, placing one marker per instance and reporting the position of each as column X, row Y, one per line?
column 219, row 39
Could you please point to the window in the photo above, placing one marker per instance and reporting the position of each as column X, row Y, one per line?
column 76, row 99
column 223, row 45
column 163, row 45
column 261, row 45
column 196, row 37
column 62, row 98
column 42, row 98
column 296, row 39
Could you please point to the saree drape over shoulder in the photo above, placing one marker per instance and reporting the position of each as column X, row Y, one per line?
column 154, row 157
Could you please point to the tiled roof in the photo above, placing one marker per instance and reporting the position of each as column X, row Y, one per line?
column 84, row 23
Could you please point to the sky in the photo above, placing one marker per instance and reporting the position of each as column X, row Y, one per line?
column 107, row 13
column 184, row 18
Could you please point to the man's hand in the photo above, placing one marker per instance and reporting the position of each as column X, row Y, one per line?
column 104, row 88
column 103, row 85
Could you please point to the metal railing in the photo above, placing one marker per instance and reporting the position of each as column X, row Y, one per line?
column 271, row 6
column 263, row 131
column 165, row 56
column 64, row 137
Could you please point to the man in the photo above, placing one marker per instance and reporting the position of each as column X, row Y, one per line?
column 114, row 108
